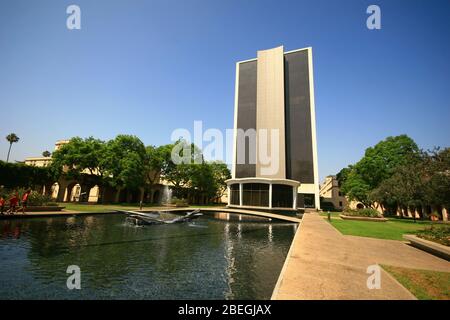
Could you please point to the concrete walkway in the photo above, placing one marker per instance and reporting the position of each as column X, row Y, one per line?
column 324, row 264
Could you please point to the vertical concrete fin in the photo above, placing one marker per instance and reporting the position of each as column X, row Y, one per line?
column 270, row 114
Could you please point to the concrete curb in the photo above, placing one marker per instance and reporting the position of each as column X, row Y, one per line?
column 286, row 262
column 434, row 248
column 390, row 276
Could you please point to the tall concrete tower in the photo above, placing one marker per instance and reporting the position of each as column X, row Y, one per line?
column 275, row 147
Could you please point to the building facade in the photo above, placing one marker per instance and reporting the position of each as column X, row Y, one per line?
column 70, row 190
column 275, row 147
column 330, row 192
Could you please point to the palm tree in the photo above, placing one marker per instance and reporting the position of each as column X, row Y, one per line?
column 12, row 138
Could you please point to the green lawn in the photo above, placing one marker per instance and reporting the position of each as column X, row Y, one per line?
column 393, row 229
column 110, row 207
column 97, row 207
column 424, row 284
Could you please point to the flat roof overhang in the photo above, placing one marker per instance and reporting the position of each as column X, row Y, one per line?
column 292, row 183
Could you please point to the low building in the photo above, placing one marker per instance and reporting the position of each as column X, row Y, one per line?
column 65, row 190
column 330, row 192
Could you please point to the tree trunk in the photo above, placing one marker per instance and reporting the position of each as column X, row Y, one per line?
column 9, row 150
column 445, row 212
column 117, row 198
column 151, row 195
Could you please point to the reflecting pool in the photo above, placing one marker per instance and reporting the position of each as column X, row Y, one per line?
column 219, row 256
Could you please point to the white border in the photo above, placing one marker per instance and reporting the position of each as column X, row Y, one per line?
column 313, row 128
column 284, row 53
column 236, row 96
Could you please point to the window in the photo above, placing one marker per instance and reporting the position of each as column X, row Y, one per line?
column 234, row 194
column 281, row 196
column 309, row 200
column 255, row 194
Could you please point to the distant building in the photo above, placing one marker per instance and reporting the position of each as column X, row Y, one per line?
column 65, row 190
column 330, row 192
column 275, row 93
column 44, row 161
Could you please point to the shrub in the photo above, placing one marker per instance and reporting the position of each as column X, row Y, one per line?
column 366, row 212
column 439, row 234
column 15, row 175
column 179, row 202
column 34, row 199
column 37, row 199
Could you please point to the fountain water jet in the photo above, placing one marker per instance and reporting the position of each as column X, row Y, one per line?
column 166, row 196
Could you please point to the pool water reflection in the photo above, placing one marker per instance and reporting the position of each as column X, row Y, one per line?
column 209, row 258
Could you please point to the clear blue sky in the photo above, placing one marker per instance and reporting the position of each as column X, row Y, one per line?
column 149, row 67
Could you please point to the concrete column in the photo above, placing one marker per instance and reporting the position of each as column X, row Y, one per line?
column 241, row 194
column 317, row 199
column 229, row 194
column 444, row 214
column 416, row 213
column 270, row 111
column 294, row 198
column 61, row 192
column 408, row 210
column 67, row 194
column 270, row 195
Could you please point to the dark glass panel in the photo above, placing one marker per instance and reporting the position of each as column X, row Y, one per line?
column 256, row 194
column 282, row 196
column 299, row 155
column 309, row 200
column 234, row 196
column 246, row 114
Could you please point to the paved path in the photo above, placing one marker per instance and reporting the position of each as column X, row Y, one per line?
column 324, row 264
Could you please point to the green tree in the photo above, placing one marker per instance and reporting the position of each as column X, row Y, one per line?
column 201, row 183
column 46, row 154
column 11, row 138
column 82, row 160
column 404, row 189
column 221, row 173
column 179, row 174
column 194, row 179
column 437, row 178
column 157, row 159
column 379, row 163
column 124, row 163
column 356, row 188
column 19, row 175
